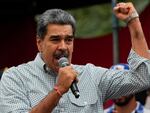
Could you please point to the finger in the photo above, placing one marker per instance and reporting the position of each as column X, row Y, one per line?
column 124, row 10
column 116, row 9
column 76, row 75
column 77, row 80
column 123, row 7
column 121, row 4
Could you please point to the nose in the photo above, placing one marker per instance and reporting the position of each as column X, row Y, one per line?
column 62, row 45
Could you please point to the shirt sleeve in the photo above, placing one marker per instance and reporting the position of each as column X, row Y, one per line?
column 135, row 60
column 118, row 83
column 13, row 97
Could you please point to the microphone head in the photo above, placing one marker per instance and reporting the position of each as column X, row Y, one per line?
column 63, row 61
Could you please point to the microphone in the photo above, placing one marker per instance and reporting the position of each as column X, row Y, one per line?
column 63, row 61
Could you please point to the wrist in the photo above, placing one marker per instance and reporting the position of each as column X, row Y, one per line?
column 56, row 88
column 134, row 15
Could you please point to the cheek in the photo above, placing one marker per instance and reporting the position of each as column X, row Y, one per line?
column 50, row 50
column 71, row 49
column 42, row 46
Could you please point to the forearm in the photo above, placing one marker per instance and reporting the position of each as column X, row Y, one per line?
column 128, row 13
column 47, row 104
column 139, row 44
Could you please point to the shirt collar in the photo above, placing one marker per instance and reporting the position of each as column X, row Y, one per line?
column 39, row 61
column 42, row 65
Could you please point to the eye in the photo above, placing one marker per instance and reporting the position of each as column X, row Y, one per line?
column 55, row 38
column 69, row 39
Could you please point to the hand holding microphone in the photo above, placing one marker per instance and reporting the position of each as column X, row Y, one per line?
column 63, row 62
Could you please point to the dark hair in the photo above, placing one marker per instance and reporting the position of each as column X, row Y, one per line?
column 54, row 16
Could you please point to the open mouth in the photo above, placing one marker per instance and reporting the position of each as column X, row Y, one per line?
column 60, row 54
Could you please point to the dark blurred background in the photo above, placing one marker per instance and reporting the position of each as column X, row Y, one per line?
column 94, row 30
column 22, row 8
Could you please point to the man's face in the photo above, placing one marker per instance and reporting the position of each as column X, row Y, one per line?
column 122, row 101
column 58, row 42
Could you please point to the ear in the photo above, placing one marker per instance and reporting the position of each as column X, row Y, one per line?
column 39, row 44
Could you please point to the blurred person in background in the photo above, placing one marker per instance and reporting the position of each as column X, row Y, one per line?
column 126, row 104
column 147, row 102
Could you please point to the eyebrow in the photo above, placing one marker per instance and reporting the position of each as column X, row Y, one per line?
column 66, row 36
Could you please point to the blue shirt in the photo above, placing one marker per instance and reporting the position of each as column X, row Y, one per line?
column 24, row 86
column 139, row 109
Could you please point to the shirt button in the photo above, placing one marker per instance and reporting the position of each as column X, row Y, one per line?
column 62, row 109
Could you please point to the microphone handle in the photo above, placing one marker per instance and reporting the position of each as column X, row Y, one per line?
column 75, row 89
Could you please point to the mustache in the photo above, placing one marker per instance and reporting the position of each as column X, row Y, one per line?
column 61, row 53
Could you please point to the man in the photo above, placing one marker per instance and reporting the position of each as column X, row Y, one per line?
column 43, row 86
column 126, row 104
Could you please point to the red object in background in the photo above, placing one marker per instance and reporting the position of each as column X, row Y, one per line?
column 108, row 104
